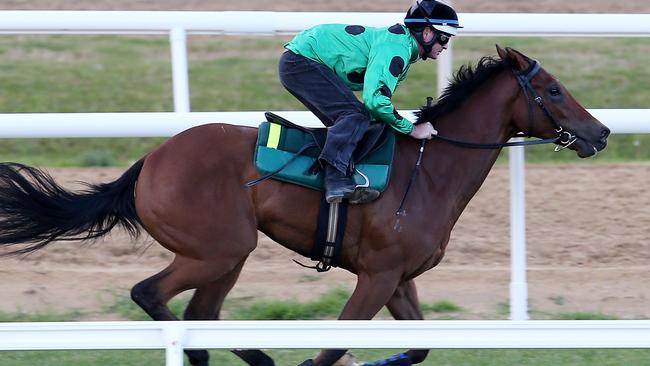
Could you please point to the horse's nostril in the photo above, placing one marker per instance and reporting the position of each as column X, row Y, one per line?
column 604, row 133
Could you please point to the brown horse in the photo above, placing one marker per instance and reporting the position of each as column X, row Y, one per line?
column 190, row 197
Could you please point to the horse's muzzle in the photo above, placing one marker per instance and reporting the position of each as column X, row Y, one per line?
column 589, row 143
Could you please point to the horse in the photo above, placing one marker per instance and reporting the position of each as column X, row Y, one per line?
column 189, row 194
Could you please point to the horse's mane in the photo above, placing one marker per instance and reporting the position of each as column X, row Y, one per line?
column 464, row 83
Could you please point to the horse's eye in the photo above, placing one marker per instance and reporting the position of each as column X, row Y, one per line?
column 554, row 91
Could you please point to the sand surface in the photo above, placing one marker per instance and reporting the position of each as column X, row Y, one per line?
column 588, row 250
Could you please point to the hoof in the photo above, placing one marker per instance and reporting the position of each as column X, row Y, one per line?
column 398, row 360
column 348, row 359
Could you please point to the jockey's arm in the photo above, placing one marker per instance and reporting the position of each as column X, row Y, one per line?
column 387, row 64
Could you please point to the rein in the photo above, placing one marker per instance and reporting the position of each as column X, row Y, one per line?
column 473, row 145
column 401, row 211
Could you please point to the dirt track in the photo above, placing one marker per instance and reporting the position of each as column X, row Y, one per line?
column 588, row 237
column 588, row 251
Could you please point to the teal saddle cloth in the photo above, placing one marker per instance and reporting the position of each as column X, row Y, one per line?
column 281, row 143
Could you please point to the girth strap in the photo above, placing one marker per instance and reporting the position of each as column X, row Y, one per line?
column 332, row 220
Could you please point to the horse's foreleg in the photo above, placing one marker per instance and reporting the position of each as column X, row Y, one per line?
column 370, row 295
column 404, row 305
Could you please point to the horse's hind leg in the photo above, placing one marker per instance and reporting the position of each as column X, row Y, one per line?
column 153, row 294
column 206, row 305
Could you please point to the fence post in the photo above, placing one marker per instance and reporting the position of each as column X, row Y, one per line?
column 181, row 85
column 518, row 285
column 445, row 66
column 173, row 335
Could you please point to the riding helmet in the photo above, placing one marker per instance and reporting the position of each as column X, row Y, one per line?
column 441, row 17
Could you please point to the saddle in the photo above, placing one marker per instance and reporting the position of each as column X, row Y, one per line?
column 288, row 152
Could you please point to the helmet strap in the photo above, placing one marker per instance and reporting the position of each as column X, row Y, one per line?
column 426, row 46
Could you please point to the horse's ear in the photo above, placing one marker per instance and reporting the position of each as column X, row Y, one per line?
column 517, row 59
column 502, row 53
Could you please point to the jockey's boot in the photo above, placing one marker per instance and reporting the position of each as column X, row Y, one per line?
column 338, row 185
column 363, row 195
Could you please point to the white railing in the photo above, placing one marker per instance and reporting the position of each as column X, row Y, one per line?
column 271, row 22
column 178, row 24
column 165, row 124
column 175, row 336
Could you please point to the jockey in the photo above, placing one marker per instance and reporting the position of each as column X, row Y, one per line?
column 323, row 65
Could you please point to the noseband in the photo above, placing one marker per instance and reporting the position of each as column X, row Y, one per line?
column 565, row 138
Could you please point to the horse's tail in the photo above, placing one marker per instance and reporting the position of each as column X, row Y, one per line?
column 35, row 210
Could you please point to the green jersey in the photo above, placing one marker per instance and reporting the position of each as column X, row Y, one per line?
column 374, row 60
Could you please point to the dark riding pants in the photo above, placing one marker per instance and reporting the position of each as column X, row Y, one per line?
column 325, row 94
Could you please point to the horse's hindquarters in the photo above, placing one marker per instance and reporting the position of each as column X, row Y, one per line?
column 190, row 194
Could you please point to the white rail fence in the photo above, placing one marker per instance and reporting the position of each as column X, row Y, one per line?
column 164, row 124
column 175, row 336
column 177, row 25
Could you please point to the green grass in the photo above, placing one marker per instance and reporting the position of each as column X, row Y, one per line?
column 442, row 306
column 326, row 306
column 76, row 152
column 123, row 307
column 584, row 316
column 132, row 74
column 41, row 316
column 437, row 357
column 82, row 358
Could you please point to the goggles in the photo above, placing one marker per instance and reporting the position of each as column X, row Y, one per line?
column 442, row 38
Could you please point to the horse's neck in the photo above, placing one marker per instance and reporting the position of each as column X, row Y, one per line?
column 458, row 172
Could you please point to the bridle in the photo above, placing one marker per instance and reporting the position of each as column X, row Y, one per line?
column 564, row 138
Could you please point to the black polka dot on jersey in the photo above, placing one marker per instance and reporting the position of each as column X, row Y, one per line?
column 396, row 29
column 396, row 66
column 355, row 29
column 356, row 77
column 385, row 91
